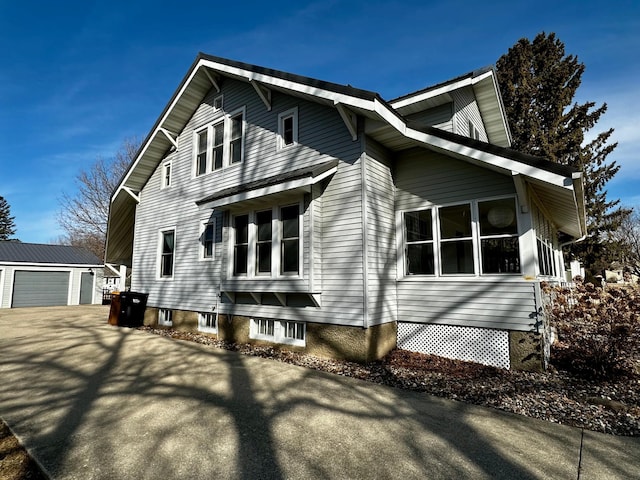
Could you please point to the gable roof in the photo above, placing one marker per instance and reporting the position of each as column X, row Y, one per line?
column 35, row 253
column 385, row 124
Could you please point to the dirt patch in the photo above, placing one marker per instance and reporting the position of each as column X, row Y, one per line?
column 15, row 462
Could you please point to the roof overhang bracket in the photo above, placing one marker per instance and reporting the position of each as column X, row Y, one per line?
column 521, row 192
column 282, row 298
column 112, row 267
column 133, row 194
column 350, row 119
column 263, row 92
column 213, row 79
column 173, row 138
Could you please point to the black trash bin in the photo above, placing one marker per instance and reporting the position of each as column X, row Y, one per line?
column 132, row 307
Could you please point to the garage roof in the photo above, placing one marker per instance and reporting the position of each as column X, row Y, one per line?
column 18, row 252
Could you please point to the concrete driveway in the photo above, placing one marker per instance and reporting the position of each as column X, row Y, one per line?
column 93, row 401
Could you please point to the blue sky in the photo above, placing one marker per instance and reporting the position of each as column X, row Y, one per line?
column 76, row 78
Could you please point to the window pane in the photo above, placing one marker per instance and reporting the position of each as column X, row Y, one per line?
column 418, row 225
column 455, row 221
column 167, row 242
column 290, row 225
column 240, row 259
column 498, row 217
column 242, row 228
column 500, row 255
column 287, row 130
column 457, row 257
column 263, row 219
column 420, row 259
column 290, row 256
column 264, row 257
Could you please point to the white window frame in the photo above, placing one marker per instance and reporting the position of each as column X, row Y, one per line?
column 437, row 240
column 216, row 99
column 165, row 317
column 226, row 120
column 276, row 240
column 167, row 173
column 279, row 328
column 159, row 254
column 205, row 319
column 474, row 133
column 293, row 114
column 204, row 223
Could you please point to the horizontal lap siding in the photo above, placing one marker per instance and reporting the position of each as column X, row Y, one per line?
column 496, row 304
column 322, row 137
column 425, row 178
column 440, row 117
column 380, row 221
column 466, row 109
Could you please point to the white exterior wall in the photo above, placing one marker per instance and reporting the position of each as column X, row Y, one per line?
column 336, row 215
column 7, row 272
column 425, row 179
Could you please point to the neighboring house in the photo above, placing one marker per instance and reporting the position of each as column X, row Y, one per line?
column 37, row 275
column 270, row 207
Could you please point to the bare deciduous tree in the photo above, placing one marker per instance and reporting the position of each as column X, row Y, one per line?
column 628, row 240
column 83, row 214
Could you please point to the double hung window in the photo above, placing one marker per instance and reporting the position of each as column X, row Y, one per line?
column 499, row 236
column 207, row 238
column 456, row 239
column 267, row 242
column 167, row 253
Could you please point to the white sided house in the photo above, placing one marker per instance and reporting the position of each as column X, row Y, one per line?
column 40, row 275
column 270, row 207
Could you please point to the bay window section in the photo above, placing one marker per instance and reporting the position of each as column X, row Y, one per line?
column 456, row 240
column 289, row 217
column 499, row 248
column 263, row 242
column 419, row 243
column 241, row 247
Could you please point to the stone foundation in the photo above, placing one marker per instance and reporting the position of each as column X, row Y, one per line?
column 322, row 340
column 526, row 351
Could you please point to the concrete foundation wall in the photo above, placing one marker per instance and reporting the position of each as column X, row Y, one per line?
column 526, row 351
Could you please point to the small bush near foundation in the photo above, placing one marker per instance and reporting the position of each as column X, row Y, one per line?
column 598, row 329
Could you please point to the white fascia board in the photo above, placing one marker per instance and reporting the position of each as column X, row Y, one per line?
column 390, row 117
column 289, row 85
column 506, row 164
column 53, row 265
column 432, row 93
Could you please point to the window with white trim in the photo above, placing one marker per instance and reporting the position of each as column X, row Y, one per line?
column 167, row 253
column 166, row 174
column 288, row 128
column 207, row 239
column 278, row 331
column 208, row 322
column 165, row 317
column 219, row 144
column 473, row 131
column 267, row 242
column 218, row 103
column 478, row 237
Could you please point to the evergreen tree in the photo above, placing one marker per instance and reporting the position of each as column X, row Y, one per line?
column 538, row 83
column 7, row 227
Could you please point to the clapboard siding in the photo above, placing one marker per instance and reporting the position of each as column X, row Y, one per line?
column 380, row 222
column 440, row 117
column 336, row 216
column 425, row 178
column 466, row 109
column 508, row 305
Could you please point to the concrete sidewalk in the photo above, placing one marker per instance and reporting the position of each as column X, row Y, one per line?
column 93, row 401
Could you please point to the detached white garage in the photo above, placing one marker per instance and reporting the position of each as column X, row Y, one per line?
column 37, row 275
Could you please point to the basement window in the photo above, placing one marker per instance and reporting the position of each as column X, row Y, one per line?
column 165, row 317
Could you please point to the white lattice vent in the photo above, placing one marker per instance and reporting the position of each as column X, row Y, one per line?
column 480, row 345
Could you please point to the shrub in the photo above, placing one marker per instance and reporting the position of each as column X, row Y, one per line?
column 598, row 329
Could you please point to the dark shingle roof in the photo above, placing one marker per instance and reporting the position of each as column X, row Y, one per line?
column 41, row 253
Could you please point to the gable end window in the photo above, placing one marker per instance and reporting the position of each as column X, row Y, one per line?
column 220, row 144
column 288, row 128
column 166, row 174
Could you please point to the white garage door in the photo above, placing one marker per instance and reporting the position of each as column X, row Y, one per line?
column 40, row 289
